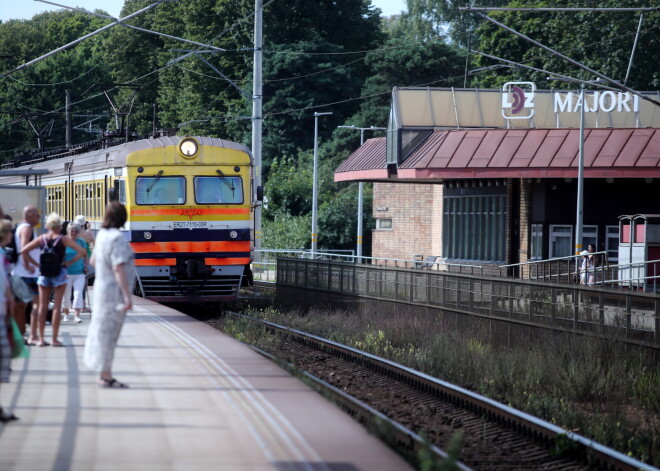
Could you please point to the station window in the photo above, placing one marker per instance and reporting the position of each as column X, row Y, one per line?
column 612, row 243
column 384, row 224
column 589, row 236
column 561, row 241
column 218, row 190
column 160, row 190
column 474, row 225
column 536, row 242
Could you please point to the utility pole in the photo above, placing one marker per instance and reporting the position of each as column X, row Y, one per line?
column 360, row 216
column 257, row 122
column 315, row 182
column 580, row 189
column 69, row 121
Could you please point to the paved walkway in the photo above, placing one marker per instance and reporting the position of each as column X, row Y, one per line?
column 198, row 400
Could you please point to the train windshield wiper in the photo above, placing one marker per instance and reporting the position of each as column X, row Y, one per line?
column 226, row 181
column 153, row 184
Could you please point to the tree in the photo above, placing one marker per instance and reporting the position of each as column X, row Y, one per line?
column 430, row 19
column 37, row 93
column 600, row 40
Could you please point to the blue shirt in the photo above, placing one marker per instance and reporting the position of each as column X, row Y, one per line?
column 77, row 268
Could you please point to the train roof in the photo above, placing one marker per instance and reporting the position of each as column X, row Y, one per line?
column 113, row 156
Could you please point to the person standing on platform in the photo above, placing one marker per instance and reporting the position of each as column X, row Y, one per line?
column 584, row 267
column 6, row 308
column 113, row 260
column 75, row 280
column 51, row 283
column 24, row 234
column 88, row 236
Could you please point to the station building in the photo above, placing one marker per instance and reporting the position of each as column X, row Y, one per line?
column 490, row 177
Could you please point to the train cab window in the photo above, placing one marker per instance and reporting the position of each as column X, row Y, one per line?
column 218, row 190
column 160, row 190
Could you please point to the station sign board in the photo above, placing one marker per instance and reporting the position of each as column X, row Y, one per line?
column 520, row 105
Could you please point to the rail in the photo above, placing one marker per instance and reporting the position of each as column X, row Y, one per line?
column 585, row 309
column 638, row 275
column 525, row 424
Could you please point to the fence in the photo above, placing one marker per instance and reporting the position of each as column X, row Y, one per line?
column 552, row 305
column 266, row 269
column 641, row 275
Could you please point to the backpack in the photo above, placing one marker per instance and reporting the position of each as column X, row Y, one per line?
column 49, row 262
column 10, row 249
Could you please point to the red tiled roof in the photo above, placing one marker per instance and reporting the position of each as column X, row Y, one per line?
column 515, row 153
column 368, row 162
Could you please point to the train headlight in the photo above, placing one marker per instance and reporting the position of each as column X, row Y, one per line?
column 233, row 234
column 188, row 147
column 147, row 236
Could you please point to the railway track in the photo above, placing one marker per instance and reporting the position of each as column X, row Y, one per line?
column 398, row 401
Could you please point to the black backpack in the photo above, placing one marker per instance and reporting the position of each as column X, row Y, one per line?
column 11, row 249
column 49, row 262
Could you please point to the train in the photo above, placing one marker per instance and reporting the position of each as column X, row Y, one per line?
column 190, row 203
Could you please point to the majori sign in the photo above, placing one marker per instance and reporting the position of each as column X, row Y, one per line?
column 520, row 105
column 597, row 101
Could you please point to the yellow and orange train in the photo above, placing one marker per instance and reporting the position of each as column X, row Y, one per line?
column 190, row 202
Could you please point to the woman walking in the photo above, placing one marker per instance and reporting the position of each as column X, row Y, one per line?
column 113, row 260
column 49, row 281
column 76, row 276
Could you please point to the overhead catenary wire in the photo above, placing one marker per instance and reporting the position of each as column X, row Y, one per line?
column 76, row 41
column 568, row 59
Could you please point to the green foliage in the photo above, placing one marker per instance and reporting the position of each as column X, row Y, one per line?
column 547, row 377
column 602, row 41
column 285, row 231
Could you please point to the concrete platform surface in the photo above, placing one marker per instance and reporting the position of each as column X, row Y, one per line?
column 198, row 400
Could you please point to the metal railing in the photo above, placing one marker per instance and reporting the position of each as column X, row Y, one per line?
column 266, row 269
column 540, row 303
column 639, row 275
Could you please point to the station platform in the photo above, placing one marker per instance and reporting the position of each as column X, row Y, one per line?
column 198, row 400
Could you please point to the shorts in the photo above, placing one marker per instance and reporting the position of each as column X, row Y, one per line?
column 53, row 281
column 32, row 283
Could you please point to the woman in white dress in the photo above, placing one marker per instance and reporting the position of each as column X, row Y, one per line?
column 113, row 260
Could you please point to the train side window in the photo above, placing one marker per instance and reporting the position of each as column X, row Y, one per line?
column 218, row 190
column 122, row 191
column 160, row 190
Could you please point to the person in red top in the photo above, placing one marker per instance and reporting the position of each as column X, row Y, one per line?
column 48, row 284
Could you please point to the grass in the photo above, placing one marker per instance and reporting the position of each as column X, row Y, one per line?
column 590, row 386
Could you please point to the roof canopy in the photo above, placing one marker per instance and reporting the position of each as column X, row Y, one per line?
column 512, row 153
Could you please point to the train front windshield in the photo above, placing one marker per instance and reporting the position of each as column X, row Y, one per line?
column 160, row 190
column 218, row 190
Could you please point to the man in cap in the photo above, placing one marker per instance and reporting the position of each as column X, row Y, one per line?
column 85, row 233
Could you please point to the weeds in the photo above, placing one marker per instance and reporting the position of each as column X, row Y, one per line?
column 589, row 385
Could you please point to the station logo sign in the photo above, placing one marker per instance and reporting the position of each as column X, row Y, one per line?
column 518, row 100
column 606, row 102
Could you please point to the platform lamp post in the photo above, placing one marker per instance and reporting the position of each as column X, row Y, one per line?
column 360, row 215
column 315, row 183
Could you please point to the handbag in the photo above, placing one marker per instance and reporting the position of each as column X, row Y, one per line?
column 19, row 349
column 21, row 290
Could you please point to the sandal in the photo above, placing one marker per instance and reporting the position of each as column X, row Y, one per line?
column 112, row 383
column 6, row 416
column 42, row 343
column 57, row 343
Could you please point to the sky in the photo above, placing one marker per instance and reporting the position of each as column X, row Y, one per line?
column 25, row 9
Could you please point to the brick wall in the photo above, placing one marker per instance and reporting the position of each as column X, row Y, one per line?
column 416, row 226
column 525, row 206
